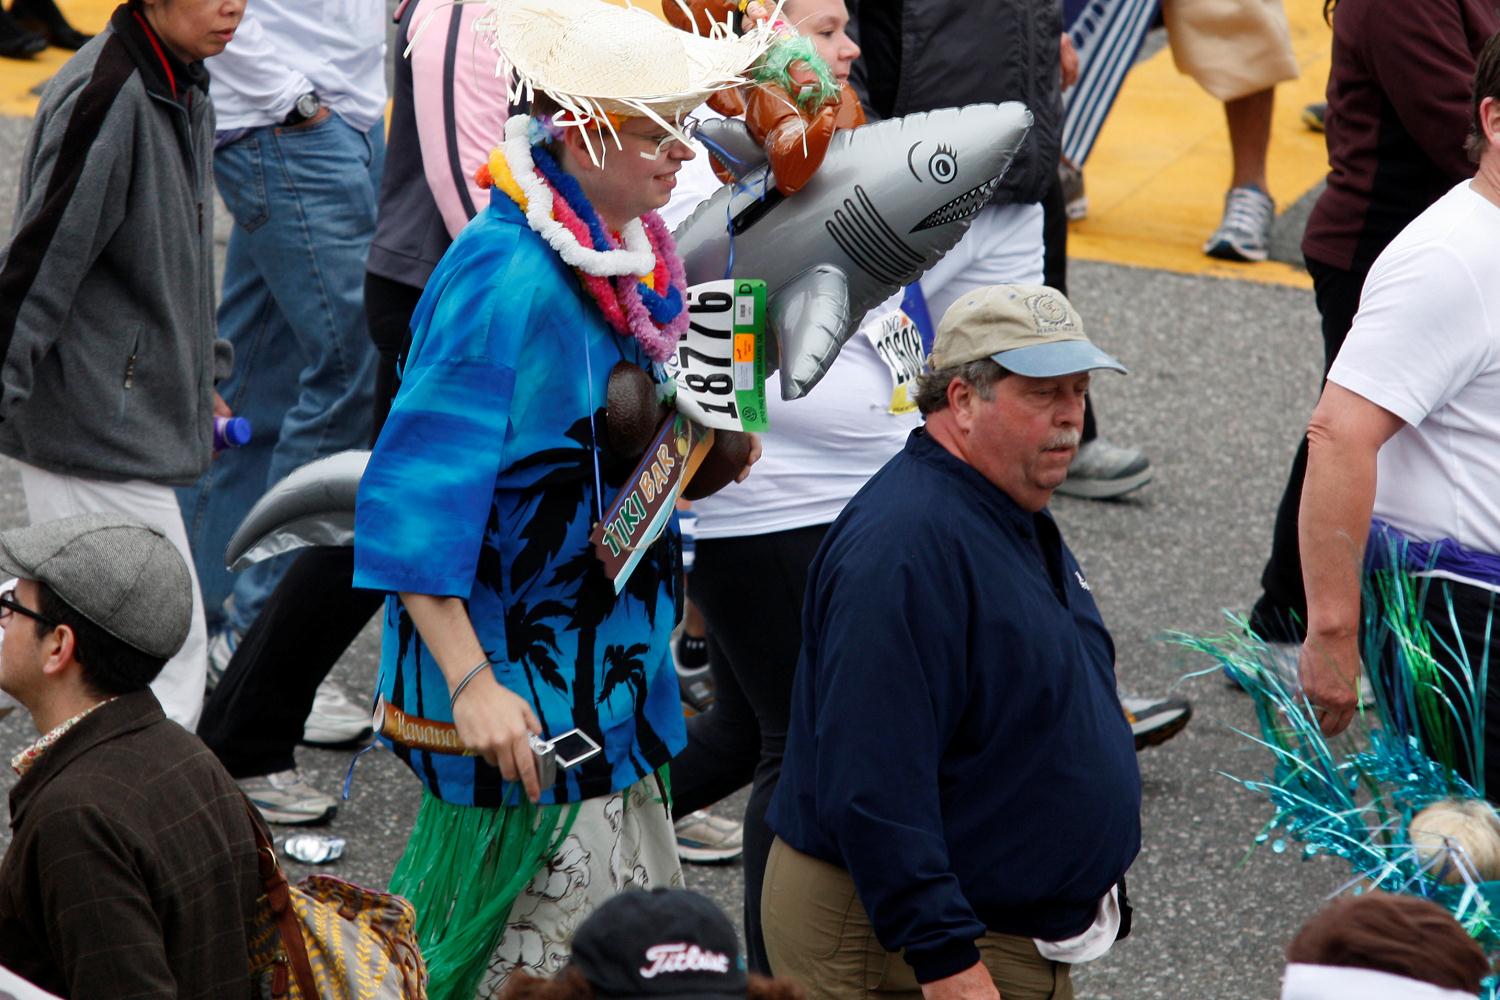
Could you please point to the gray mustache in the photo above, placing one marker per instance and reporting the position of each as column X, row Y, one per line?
column 1063, row 439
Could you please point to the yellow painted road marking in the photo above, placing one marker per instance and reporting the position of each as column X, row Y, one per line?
column 21, row 79
column 1156, row 178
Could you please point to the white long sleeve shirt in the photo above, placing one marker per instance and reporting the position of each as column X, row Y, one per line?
column 286, row 48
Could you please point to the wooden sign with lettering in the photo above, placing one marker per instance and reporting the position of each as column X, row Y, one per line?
column 639, row 513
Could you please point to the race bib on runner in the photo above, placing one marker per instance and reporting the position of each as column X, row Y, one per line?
column 720, row 364
column 896, row 339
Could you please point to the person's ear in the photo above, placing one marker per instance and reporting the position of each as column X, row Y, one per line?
column 58, row 646
column 576, row 146
column 961, row 400
column 1489, row 119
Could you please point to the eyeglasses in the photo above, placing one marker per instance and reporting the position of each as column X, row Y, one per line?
column 10, row 606
column 660, row 142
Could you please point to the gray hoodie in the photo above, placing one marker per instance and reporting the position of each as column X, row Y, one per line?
column 106, row 288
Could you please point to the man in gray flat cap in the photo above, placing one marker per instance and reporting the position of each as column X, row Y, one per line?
column 132, row 867
column 959, row 800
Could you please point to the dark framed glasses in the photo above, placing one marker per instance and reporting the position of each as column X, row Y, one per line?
column 9, row 606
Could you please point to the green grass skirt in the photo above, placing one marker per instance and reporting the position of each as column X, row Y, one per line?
column 463, row 869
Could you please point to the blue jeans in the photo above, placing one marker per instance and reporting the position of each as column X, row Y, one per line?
column 303, row 202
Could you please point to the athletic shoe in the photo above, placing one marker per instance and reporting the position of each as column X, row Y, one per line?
column 335, row 720
column 1103, row 471
column 1314, row 115
column 1071, row 177
column 221, row 647
column 286, row 797
column 1244, row 232
column 1155, row 720
column 706, row 839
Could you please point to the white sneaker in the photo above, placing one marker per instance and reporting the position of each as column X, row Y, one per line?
column 335, row 720
column 1103, row 471
column 221, row 647
column 1244, row 232
column 286, row 797
column 706, row 839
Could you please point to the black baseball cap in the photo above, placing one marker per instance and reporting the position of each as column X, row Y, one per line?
column 659, row 943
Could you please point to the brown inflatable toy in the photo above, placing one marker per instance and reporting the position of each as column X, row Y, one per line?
column 633, row 411
column 725, row 459
column 794, row 137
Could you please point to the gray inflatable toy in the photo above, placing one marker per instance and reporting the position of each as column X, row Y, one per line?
column 889, row 200
column 312, row 506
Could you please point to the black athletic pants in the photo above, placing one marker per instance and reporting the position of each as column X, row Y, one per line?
column 1280, row 615
column 1474, row 610
column 254, row 718
column 752, row 651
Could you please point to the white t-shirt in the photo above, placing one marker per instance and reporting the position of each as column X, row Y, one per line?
column 1425, row 345
column 820, row 449
column 286, row 48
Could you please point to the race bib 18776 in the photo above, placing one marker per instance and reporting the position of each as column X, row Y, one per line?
column 720, row 365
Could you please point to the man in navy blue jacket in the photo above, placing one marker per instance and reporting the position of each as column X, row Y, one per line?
column 960, row 798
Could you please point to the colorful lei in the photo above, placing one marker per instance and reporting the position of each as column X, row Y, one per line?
column 623, row 280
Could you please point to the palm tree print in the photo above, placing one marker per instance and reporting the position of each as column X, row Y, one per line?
column 623, row 665
column 531, row 642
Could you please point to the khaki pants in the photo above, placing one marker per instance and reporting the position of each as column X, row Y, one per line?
column 817, row 933
column 1232, row 48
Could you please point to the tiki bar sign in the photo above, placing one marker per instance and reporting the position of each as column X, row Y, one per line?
column 641, row 510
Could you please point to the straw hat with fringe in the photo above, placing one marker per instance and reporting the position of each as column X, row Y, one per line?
column 599, row 61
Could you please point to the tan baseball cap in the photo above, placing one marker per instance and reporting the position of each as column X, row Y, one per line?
column 1029, row 329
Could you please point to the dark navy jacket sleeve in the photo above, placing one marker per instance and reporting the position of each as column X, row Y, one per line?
column 885, row 683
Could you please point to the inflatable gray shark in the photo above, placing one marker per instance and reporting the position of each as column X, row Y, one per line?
column 888, row 201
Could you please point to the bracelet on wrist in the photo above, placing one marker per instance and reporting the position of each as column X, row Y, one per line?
column 453, row 698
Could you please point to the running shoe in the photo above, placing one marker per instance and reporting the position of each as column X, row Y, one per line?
column 1244, row 232
column 286, row 798
column 706, row 839
column 335, row 720
column 1155, row 720
column 1103, row 471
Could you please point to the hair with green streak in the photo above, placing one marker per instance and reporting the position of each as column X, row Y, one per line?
column 776, row 65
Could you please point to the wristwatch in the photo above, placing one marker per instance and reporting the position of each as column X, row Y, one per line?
column 306, row 108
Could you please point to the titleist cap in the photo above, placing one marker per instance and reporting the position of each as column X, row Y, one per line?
column 661, row 943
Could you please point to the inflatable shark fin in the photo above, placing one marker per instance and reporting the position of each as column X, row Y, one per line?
column 729, row 143
column 312, row 506
column 810, row 317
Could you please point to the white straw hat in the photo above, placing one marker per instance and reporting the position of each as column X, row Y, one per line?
column 596, row 59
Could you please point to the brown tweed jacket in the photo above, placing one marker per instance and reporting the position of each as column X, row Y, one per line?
column 132, row 871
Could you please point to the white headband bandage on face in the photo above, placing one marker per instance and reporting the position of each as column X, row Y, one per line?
column 1342, row 982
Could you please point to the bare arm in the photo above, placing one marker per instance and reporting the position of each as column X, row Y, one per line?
column 974, row 983
column 1343, row 438
column 492, row 720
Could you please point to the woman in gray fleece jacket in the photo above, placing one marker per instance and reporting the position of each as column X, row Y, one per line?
column 106, row 288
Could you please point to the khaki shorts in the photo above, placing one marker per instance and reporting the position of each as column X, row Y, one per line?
column 817, row 933
column 1233, row 48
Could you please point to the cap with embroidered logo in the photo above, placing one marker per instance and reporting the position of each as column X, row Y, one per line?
column 1028, row 329
column 661, row 943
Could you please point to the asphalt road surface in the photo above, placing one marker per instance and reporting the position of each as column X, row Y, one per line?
column 1223, row 376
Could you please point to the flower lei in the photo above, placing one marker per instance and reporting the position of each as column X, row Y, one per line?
column 624, row 281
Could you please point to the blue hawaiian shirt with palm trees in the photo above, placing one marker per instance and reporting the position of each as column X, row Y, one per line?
column 488, row 475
